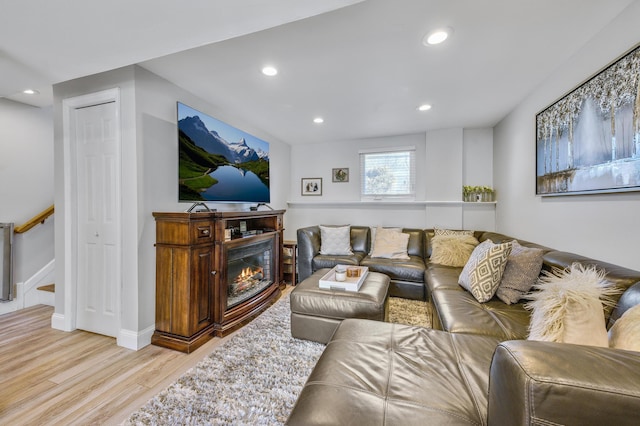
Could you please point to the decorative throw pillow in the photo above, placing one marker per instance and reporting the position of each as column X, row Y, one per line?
column 390, row 244
column 520, row 274
column 439, row 231
column 625, row 333
column 452, row 250
column 373, row 235
column 335, row 240
column 568, row 306
column 482, row 273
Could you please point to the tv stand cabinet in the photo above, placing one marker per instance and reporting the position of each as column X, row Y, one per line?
column 191, row 273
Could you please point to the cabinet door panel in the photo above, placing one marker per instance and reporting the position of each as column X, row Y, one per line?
column 201, row 288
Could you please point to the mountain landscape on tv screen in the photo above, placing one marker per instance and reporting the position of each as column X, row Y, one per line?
column 214, row 169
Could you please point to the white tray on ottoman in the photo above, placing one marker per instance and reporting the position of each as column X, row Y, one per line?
column 329, row 281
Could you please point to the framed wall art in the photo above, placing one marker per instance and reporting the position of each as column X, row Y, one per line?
column 589, row 140
column 340, row 175
column 311, row 186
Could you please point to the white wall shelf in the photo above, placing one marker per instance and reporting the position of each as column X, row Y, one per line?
column 385, row 203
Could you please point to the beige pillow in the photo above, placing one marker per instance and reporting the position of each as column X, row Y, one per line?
column 568, row 306
column 390, row 244
column 520, row 274
column 625, row 333
column 373, row 235
column 483, row 272
column 452, row 250
column 335, row 240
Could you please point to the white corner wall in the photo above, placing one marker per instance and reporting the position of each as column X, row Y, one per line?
column 150, row 172
column 441, row 169
column 599, row 226
column 26, row 184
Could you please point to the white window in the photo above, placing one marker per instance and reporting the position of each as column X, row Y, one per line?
column 388, row 173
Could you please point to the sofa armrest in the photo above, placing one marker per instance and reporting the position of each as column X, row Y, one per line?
column 558, row 383
column 308, row 248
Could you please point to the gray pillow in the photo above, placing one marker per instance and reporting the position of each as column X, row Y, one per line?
column 335, row 240
column 520, row 274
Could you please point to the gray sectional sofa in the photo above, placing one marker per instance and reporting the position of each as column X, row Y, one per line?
column 474, row 366
column 406, row 276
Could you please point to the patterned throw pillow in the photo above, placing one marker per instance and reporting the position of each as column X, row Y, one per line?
column 390, row 244
column 520, row 274
column 449, row 232
column 335, row 240
column 452, row 250
column 483, row 272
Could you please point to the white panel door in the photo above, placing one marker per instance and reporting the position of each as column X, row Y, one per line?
column 98, row 218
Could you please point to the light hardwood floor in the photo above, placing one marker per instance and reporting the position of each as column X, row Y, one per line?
column 52, row 377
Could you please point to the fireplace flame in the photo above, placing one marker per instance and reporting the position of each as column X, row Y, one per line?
column 248, row 274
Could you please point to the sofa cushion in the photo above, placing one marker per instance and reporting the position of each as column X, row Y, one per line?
column 397, row 269
column 321, row 261
column 383, row 373
column 459, row 312
column 520, row 274
column 439, row 277
column 335, row 240
column 482, row 274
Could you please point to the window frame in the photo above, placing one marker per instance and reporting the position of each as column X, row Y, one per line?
column 410, row 194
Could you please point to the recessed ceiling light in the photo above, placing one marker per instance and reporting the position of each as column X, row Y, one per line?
column 318, row 120
column 424, row 107
column 30, row 92
column 437, row 36
column 269, row 71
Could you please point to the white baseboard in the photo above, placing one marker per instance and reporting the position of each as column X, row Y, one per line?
column 57, row 322
column 135, row 340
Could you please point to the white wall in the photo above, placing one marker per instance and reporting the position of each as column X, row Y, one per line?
column 149, row 172
column 600, row 226
column 26, row 182
column 157, row 168
column 441, row 169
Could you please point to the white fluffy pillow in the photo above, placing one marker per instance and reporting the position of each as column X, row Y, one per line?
column 482, row 274
column 390, row 244
column 625, row 333
column 335, row 240
column 452, row 250
column 568, row 306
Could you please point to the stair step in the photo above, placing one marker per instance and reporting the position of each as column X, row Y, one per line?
column 50, row 287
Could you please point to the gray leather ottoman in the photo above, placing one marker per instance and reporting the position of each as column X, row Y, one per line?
column 317, row 312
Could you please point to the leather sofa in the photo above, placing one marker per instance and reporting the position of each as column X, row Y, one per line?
column 474, row 366
column 406, row 276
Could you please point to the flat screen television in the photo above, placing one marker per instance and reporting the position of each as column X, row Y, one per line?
column 218, row 162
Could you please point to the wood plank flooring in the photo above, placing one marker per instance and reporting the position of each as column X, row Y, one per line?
column 52, row 377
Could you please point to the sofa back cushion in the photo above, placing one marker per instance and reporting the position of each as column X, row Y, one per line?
column 360, row 239
column 415, row 247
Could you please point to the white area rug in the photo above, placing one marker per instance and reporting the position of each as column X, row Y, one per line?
column 253, row 378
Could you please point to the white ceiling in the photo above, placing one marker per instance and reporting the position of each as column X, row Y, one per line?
column 362, row 67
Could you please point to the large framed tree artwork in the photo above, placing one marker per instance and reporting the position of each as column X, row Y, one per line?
column 589, row 140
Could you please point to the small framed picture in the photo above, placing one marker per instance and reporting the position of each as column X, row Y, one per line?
column 311, row 186
column 340, row 174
